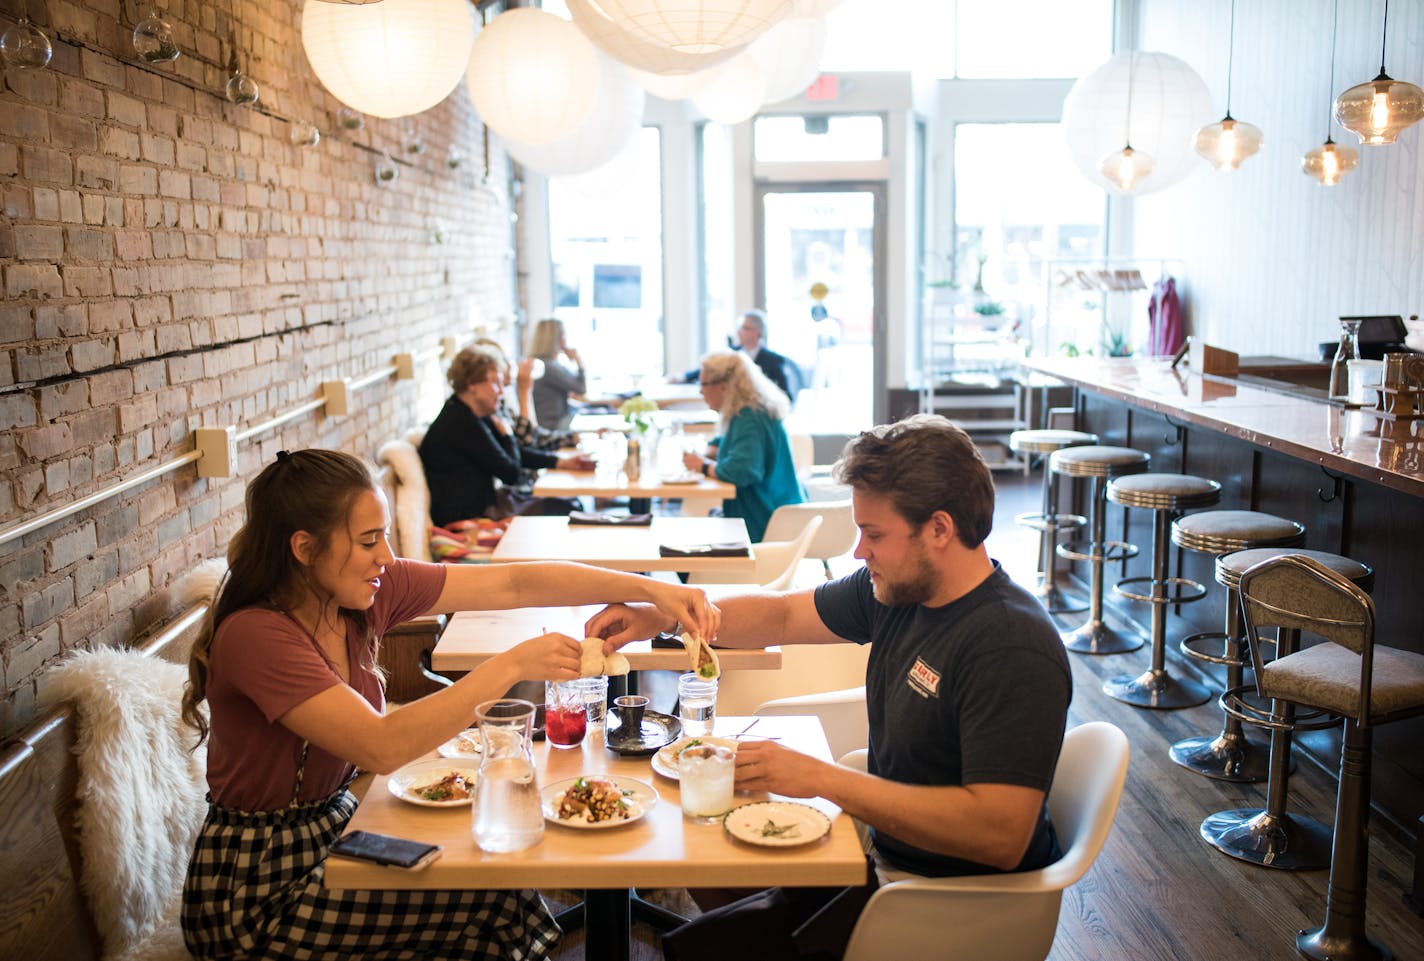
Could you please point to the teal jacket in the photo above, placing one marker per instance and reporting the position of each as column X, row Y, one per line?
column 755, row 454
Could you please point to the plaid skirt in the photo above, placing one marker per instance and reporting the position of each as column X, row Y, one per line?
column 254, row 890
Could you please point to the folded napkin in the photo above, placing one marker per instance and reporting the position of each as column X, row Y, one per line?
column 730, row 549
column 610, row 520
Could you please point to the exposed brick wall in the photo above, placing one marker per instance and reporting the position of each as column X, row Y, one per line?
column 171, row 260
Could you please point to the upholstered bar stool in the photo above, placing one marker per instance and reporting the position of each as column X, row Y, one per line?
column 1271, row 836
column 1101, row 464
column 1349, row 675
column 1166, row 496
column 1049, row 521
column 1227, row 756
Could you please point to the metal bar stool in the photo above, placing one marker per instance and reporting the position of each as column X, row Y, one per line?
column 1271, row 836
column 1049, row 521
column 1228, row 755
column 1348, row 675
column 1165, row 495
column 1101, row 464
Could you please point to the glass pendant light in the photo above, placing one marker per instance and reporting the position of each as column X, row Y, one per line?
column 24, row 46
column 1378, row 111
column 1126, row 169
column 1330, row 161
column 241, row 89
column 153, row 39
column 303, row 134
column 1228, row 141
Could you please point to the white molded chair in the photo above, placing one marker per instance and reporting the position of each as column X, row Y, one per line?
column 776, row 561
column 842, row 712
column 1005, row 917
column 836, row 537
column 803, row 453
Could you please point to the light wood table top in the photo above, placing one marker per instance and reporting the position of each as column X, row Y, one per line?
column 614, row 483
column 625, row 548
column 473, row 637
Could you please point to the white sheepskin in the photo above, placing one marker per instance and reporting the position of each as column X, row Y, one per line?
column 200, row 585
column 412, row 506
column 141, row 796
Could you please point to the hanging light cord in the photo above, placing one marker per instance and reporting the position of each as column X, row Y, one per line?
column 1384, row 33
column 1329, row 101
column 1230, row 56
column 1127, row 131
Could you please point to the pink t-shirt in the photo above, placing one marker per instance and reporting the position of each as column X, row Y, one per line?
column 262, row 665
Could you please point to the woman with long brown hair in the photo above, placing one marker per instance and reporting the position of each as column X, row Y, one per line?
column 287, row 667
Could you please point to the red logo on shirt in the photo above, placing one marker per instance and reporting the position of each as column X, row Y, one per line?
column 924, row 679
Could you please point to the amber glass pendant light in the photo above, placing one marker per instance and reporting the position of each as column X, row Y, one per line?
column 1229, row 141
column 1378, row 111
column 1127, row 168
column 1330, row 161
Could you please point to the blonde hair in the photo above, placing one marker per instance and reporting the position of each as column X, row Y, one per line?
column 747, row 386
column 547, row 339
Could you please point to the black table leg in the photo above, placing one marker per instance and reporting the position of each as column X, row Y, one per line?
column 606, row 924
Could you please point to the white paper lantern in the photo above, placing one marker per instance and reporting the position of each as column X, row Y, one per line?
column 790, row 56
column 631, row 49
column 612, row 121
column 813, row 8
column 388, row 59
column 696, row 26
column 1170, row 102
column 735, row 93
column 678, row 86
column 532, row 76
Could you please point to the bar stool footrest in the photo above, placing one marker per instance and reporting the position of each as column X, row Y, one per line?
column 1109, row 552
column 1039, row 521
column 1233, row 701
column 1187, row 590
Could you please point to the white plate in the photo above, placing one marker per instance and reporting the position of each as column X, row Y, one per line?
column 665, row 761
column 466, row 744
column 428, row 772
column 800, row 823
column 688, row 477
column 642, row 797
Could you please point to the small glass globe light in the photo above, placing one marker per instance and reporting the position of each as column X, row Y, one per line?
column 304, row 134
column 1126, row 168
column 1228, row 142
column 241, row 89
column 412, row 142
column 153, row 39
column 1380, row 110
column 454, row 157
column 24, row 46
column 348, row 119
column 1329, row 162
column 386, row 170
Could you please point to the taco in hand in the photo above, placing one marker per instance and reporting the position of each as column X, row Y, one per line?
column 704, row 660
column 593, row 663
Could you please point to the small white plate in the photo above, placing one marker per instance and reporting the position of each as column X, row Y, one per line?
column 776, row 824
column 640, row 794
column 665, row 761
column 421, row 773
column 466, row 744
column 687, row 477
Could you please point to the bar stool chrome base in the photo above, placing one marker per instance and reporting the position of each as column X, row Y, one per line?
column 1359, row 946
column 1286, row 842
column 1052, row 595
column 1226, row 756
column 1056, row 600
column 1095, row 637
column 1156, row 689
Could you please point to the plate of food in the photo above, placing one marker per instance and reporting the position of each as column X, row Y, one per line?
column 466, row 744
column 686, row 477
column 665, row 761
column 776, row 824
column 596, row 801
column 437, row 782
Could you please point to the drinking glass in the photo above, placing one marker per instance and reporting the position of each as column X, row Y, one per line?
column 506, row 809
column 565, row 719
column 706, row 775
column 696, row 704
column 593, row 691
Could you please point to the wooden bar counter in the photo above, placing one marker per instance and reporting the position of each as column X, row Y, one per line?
column 1354, row 478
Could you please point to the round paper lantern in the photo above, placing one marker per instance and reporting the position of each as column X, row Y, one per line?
column 532, row 76
column 388, row 59
column 1170, row 102
column 629, row 48
column 672, row 86
column 612, row 121
column 735, row 93
column 813, row 8
column 790, row 56
column 695, row 26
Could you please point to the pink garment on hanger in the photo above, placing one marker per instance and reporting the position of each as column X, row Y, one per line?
column 1164, row 313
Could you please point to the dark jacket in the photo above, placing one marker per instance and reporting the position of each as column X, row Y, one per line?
column 463, row 454
column 772, row 364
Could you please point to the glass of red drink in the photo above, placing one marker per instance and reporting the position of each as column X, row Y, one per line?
column 565, row 720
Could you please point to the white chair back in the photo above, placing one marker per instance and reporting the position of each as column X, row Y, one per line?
column 410, row 504
column 776, row 562
column 836, row 537
column 803, row 453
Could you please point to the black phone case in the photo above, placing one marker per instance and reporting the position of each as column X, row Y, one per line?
column 382, row 849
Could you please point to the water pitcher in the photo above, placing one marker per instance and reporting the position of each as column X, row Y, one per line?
column 506, row 809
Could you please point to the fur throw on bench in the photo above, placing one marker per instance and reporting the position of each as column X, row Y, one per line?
column 141, row 792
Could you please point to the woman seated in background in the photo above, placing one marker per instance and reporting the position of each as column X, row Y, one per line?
column 469, row 445
column 287, row 665
column 553, row 390
column 516, row 403
column 751, row 449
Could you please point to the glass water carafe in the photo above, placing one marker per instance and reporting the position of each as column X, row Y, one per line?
column 1348, row 350
column 506, row 810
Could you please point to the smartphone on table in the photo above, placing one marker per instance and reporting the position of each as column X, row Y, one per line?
column 384, row 849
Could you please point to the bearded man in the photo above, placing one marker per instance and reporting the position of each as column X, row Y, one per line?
column 967, row 692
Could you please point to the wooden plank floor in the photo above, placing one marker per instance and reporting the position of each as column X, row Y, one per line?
column 1158, row 891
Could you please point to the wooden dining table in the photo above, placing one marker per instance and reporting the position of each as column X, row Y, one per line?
column 660, row 849
column 555, row 482
column 626, row 548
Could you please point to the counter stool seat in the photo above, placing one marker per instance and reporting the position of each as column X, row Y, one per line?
column 1049, row 521
column 1100, row 463
column 1228, row 755
column 1166, row 495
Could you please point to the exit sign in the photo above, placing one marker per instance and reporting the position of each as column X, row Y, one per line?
column 825, row 88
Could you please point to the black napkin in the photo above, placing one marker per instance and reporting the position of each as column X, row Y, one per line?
column 730, row 549
column 610, row 520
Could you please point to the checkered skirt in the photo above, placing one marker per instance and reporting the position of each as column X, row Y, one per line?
column 254, row 890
